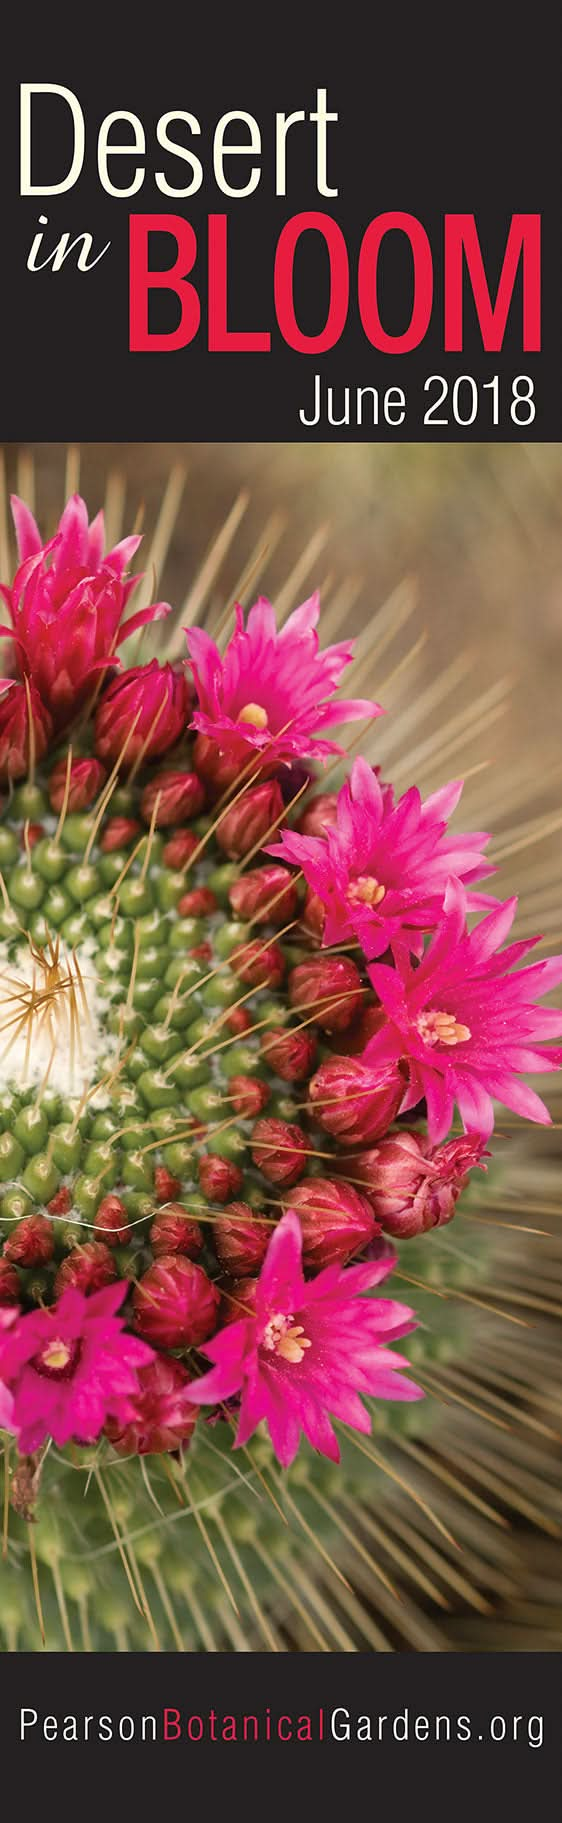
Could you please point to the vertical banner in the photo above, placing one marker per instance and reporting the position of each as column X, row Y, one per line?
column 280, row 970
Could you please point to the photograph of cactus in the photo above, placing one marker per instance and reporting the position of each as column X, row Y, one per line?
column 280, row 1040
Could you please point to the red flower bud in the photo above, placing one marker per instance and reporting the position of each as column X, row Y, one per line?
column 175, row 1304
column 250, row 820
column 381, row 1249
column 166, row 1187
column 354, row 1102
column 61, row 1202
column 366, row 1024
column 336, row 1222
column 32, row 1243
column 31, row 833
column 249, row 1095
column 87, row 1268
column 267, row 895
column 290, row 1055
column 322, row 811
column 144, row 711
column 202, row 952
column 174, row 1231
column 218, row 766
column 239, row 1020
column 241, row 1240
column 259, row 964
column 279, row 1150
column 320, row 815
column 181, row 796
column 313, row 916
column 198, row 904
column 163, row 1417
column 238, row 1299
column 112, row 1222
column 413, row 1186
column 219, row 1178
column 329, row 989
column 179, row 849
column 86, row 780
column 16, row 746
column 9, row 1283
column 119, row 832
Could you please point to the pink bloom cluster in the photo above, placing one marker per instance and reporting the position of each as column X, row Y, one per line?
column 454, row 1019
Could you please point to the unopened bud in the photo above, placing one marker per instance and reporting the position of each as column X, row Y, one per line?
column 266, row 895
column 179, row 849
column 112, row 1222
column 86, row 780
column 86, row 1269
column 175, row 1304
column 174, row 1231
column 354, row 1101
column 180, row 796
column 290, row 1055
column 119, row 832
column 250, row 820
column 219, row 1178
column 279, row 1150
column 329, row 989
column 241, row 1239
column 249, row 1096
column 259, row 964
column 32, row 1242
column 336, row 1221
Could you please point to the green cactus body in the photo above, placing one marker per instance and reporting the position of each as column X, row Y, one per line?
column 161, row 1026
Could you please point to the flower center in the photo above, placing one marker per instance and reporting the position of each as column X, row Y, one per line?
column 286, row 1338
column 254, row 713
column 366, row 890
column 57, row 1360
column 442, row 1028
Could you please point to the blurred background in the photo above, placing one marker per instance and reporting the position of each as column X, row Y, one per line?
column 446, row 562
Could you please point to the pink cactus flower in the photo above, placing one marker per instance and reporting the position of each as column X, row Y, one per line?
column 144, row 711
column 66, row 606
column 307, row 1349
column 464, row 1024
column 272, row 691
column 70, row 1367
column 381, row 869
column 7, row 1320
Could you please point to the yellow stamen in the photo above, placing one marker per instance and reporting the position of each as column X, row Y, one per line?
column 366, row 890
column 293, row 1344
column 255, row 714
column 56, row 1354
column 442, row 1028
column 285, row 1338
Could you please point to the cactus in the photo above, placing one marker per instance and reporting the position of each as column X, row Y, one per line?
column 166, row 1005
